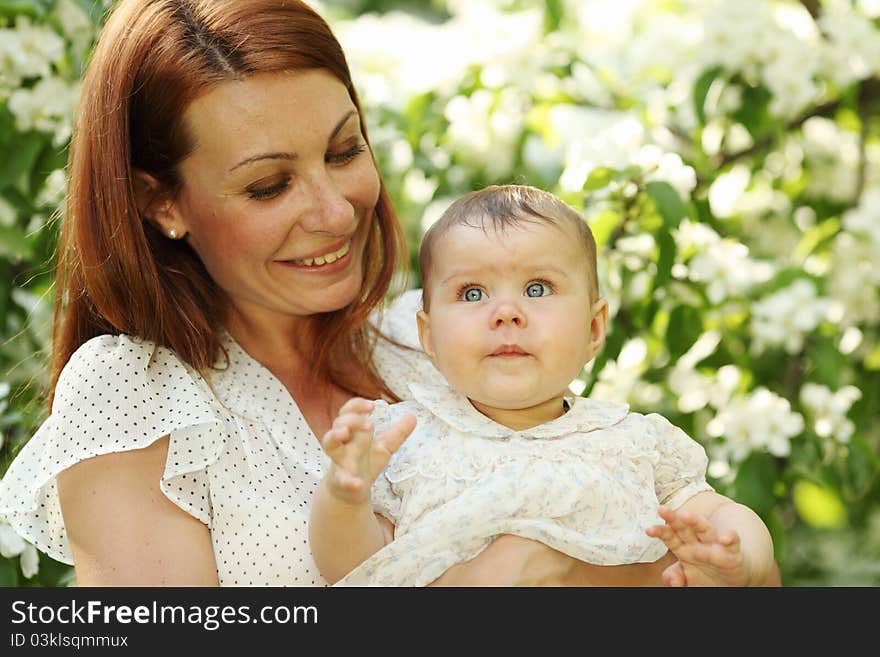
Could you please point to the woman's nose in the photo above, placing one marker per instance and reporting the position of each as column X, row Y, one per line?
column 508, row 313
column 328, row 210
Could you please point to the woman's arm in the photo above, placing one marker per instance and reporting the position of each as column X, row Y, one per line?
column 516, row 561
column 122, row 529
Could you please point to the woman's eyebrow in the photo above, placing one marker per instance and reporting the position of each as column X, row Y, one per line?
column 292, row 156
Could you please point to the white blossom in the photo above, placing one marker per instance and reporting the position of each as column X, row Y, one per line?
column 29, row 561
column 828, row 409
column 761, row 421
column 28, row 51
column 726, row 190
column 47, row 107
column 75, row 24
column 854, row 49
column 484, row 127
column 619, row 378
column 786, row 316
column 831, row 155
column 722, row 264
column 853, row 280
column 865, row 217
column 668, row 167
column 11, row 544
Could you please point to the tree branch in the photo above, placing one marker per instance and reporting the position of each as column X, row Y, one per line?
column 868, row 94
column 814, row 7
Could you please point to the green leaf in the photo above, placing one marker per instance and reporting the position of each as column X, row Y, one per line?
column 8, row 572
column 666, row 258
column 32, row 8
column 603, row 225
column 862, row 467
column 14, row 244
column 754, row 483
column 826, row 364
column 701, row 90
column 599, row 178
column 552, row 15
column 818, row 505
column 816, row 236
column 685, row 326
column 668, row 202
column 19, row 155
column 754, row 113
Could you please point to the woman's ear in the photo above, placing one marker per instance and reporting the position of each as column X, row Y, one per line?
column 424, row 323
column 156, row 205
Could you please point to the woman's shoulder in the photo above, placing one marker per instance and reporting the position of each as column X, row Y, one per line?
column 397, row 319
column 125, row 366
column 398, row 356
column 116, row 394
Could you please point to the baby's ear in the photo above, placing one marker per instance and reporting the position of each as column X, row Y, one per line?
column 156, row 204
column 424, row 322
column 598, row 326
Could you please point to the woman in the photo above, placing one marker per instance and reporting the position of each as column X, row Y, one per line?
column 227, row 244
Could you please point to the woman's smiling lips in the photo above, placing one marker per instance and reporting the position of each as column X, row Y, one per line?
column 334, row 259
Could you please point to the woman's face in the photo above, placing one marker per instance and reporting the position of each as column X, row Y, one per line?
column 278, row 193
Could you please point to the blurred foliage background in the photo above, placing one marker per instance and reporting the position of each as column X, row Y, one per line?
column 726, row 155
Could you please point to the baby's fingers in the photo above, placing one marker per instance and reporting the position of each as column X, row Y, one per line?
column 357, row 405
column 730, row 540
column 394, row 436
column 687, row 525
column 335, row 439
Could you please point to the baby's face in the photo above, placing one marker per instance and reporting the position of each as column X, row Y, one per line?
column 510, row 322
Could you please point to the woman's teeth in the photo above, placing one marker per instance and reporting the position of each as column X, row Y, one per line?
column 324, row 259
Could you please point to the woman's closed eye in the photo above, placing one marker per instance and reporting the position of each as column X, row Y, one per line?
column 266, row 192
column 270, row 191
column 346, row 156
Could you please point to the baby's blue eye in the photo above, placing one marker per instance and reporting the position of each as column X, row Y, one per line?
column 537, row 290
column 472, row 294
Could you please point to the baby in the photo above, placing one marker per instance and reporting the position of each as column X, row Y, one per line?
column 511, row 314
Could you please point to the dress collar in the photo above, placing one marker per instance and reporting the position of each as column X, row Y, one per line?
column 457, row 411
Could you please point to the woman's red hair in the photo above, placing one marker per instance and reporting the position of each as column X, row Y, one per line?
column 116, row 273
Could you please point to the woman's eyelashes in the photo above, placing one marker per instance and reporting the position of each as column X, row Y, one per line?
column 346, row 156
column 263, row 193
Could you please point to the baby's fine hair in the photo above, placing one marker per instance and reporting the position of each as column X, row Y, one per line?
column 501, row 207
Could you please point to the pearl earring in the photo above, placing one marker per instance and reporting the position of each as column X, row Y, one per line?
column 172, row 233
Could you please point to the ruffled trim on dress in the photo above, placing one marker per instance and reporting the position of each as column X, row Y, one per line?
column 116, row 394
column 468, row 461
column 457, row 411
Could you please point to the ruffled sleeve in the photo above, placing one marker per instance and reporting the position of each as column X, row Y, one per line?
column 680, row 472
column 115, row 394
column 399, row 366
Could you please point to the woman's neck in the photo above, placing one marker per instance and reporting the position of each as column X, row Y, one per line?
column 281, row 343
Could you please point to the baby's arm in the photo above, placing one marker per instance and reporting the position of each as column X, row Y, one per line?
column 343, row 530
column 717, row 542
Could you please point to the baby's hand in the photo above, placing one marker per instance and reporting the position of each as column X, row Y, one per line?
column 704, row 557
column 357, row 456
